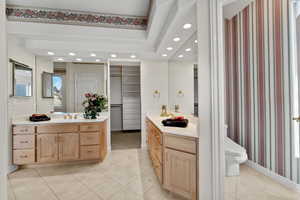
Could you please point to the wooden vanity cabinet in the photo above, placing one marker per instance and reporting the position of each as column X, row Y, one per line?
column 155, row 149
column 180, row 173
column 68, row 146
column 59, row 142
column 47, row 148
column 174, row 160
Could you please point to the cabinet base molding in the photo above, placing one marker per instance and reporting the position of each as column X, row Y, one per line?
column 58, row 164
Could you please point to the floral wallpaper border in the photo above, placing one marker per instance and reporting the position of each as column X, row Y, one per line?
column 59, row 16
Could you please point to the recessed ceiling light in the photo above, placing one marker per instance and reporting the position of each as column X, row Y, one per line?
column 169, row 48
column 133, row 56
column 72, row 54
column 177, row 39
column 50, row 53
column 79, row 59
column 60, row 59
column 113, row 55
column 188, row 49
column 180, row 56
column 196, row 41
column 187, row 26
column 98, row 60
column 164, row 55
column 93, row 54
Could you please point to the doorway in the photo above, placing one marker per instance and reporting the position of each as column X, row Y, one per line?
column 125, row 103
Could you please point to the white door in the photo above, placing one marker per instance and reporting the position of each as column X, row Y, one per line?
column 295, row 86
column 86, row 83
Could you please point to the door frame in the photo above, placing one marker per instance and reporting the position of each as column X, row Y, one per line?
column 211, row 108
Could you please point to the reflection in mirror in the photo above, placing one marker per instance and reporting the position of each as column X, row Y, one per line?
column 71, row 81
column 58, row 82
column 47, row 85
column 22, row 80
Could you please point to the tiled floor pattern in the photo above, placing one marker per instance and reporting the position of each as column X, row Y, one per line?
column 125, row 140
column 126, row 175
column 251, row 185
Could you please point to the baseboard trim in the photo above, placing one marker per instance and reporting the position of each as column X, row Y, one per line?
column 280, row 179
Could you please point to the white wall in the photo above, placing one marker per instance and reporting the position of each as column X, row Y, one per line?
column 181, row 77
column 72, row 70
column 25, row 106
column 154, row 76
column 3, row 103
column 19, row 106
column 16, row 51
column 43, row 64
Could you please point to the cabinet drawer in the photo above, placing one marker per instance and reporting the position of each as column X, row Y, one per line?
column 89, row 138
column 23, row 141
column 57, row 128
column 21, row 157
column 181, row 143
column 90, row 152
column 23, row 130
column 90, row 127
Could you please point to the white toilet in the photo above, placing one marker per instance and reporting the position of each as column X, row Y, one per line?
column 234, row 156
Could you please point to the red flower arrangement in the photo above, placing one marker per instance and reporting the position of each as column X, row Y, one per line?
column 93, row 105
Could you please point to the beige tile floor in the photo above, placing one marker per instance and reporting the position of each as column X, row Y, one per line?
column 126, row 175
column 251, row 185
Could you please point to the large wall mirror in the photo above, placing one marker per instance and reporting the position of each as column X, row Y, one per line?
column 22, row 80
column 47, row 85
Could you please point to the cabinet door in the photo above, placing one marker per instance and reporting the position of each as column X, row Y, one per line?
column 180, row 173
column 69, row 146
column 47, row 147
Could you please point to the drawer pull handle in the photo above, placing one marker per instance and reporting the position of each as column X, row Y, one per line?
column 24, row 142
column 89, row 151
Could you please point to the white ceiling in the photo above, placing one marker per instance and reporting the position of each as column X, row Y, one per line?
column 121, row 7
column 167, row 18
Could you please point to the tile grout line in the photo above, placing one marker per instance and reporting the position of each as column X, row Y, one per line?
column 12, row 189
column 89, row 189
column 56, row 196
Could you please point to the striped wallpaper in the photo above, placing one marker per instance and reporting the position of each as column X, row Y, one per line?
column 258, row 87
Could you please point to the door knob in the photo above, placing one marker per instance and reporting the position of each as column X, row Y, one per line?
column 297, row 119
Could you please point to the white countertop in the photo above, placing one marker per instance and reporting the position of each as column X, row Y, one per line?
column 60, row 121
column 189, row 131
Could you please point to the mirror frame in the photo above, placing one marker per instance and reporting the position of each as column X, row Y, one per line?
column 15, row 65
column 44, row 75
